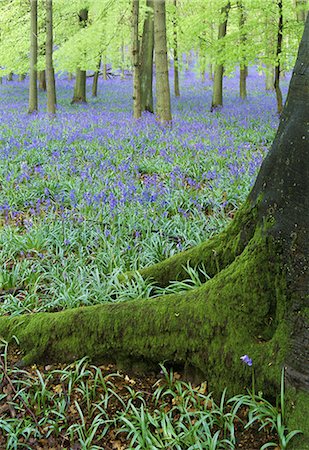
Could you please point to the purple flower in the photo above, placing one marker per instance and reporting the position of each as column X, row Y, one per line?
column 246, row 360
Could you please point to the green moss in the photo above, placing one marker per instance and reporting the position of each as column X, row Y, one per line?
column 297, row 403
column 239, row 311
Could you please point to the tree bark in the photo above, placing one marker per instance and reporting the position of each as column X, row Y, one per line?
column 256, row 302
column 50, row 74
column 147, row 49
column 21, row 77
column 95, row 80
column 80, row 87
column 137, row 111
column 10, row 76
column 278, row 55
column 269, row 77
column 42, row 80
column 175, row 51
column 163, row 109
column 33, row 89
column 79, row 95
column 217, row 97
column 243, row 66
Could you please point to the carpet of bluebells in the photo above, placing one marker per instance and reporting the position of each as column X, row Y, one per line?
column 92, row 193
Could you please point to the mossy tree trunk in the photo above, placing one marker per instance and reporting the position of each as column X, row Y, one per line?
column 33, row 88
column 163, row 108
column 10, row 76
column 301, row 10
column 217, row 97
column 79, row 95
column 137, row 111
column 256, row 302
column 147, row 49
column 50, row 74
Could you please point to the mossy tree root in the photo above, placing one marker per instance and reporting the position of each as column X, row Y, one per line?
column 216, row 253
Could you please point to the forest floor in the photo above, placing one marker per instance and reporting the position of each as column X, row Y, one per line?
column 89, row 407
column 93, row 194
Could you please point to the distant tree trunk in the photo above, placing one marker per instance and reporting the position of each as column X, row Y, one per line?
column 269, row 77
column 301, row 10
column 79, row 95
column 80, row 87
column 42, row 80
column 175, row 51
column 104, row 70
column 10, row 76
column 21, row 76
column 146, row 53
column 217, row 97
column 50, row 74
column 70, row 76
column 162, row 82
column 122, row 60
column 243, row 67
column 96, row 79
column 137, row 111
column 278, row 54
column 33, row 88
column 0, row 80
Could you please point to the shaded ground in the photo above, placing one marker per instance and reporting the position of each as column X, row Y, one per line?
column 78, row 407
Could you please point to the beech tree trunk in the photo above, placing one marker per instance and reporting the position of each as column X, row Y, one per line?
column 255, row 303
column 42, row 80
column 217, row 97
column 278, row 65
column 137, row 111
column 95, row 80
column 163, row 109
column 33, row 88
column 79, row 95
column 10, row 76
column 175, row 51
column 243, row 67
column 147, row 49
column 50, row 74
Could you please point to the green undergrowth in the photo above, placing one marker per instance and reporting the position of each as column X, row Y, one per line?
column 240, row 310
column 91, row 408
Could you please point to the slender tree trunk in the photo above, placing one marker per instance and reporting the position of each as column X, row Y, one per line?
column 105, row 70
column 137, row 111
column 50, row 74
column 243, row 67
column 217, row 97
column 33, row 89
column 10, row 76
column 147, row 49
column 79, row 95
column 278, row 55
column 21, row 77
column 122, row 60
column 175, row 51
column 0, row 80
column 95, row 80
column 42, row 80
column 162, row 82
column 269, row 77
column 70, row 76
